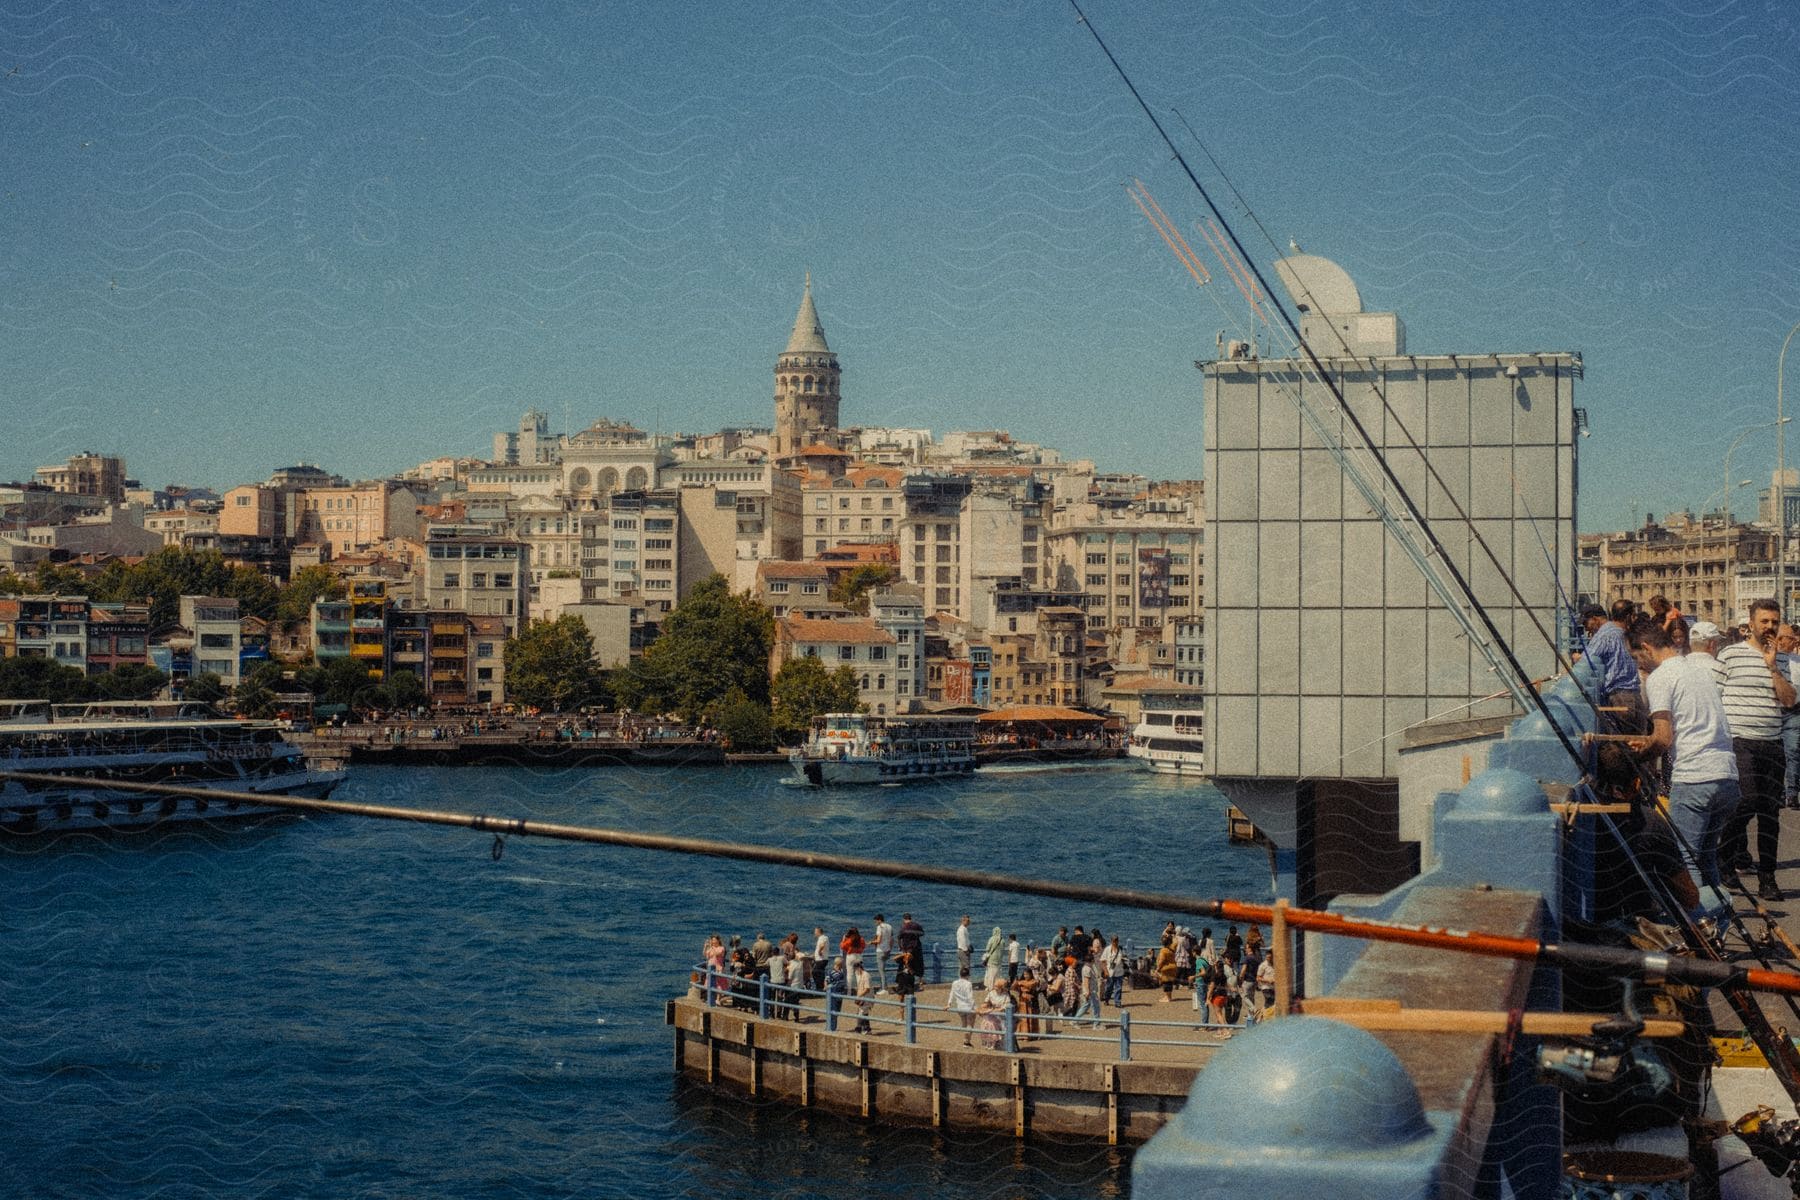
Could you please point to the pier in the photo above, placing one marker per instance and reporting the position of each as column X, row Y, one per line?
column 1119, row 1082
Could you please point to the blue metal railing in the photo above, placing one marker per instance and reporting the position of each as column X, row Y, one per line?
column 788, row 1002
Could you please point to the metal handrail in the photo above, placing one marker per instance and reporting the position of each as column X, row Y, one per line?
column 771, row 998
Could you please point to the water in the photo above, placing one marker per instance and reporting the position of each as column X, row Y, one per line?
column 343, row 1007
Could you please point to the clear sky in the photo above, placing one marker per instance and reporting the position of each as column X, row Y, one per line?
column 238, row 236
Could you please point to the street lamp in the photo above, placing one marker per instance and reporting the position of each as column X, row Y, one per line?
column 1720, row 495
column 1781, row 480
column 1777, row 424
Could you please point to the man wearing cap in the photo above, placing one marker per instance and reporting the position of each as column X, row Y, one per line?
column 1703, row 648
column 1615, row 674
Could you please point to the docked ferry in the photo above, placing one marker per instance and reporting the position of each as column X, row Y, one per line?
column 861, row 748
column 1170, row 736
column 145, row 742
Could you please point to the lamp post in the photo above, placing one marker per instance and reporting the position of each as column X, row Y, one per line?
column 1777, row 424
column 1781, row 480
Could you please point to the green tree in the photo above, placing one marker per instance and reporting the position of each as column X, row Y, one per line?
column 804, row 688
column 405, row 690
column 293, row 608
column 205, row 687
column 550, row 664
column 712, row 643
column 42, row 679
column 853, row 587
column 162, row 579
column 744, row 724
column 128, row 681
column 45, row 578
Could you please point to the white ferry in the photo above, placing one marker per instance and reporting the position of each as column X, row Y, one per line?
column 860, row 748
column 145, row 742
column 1170, row 736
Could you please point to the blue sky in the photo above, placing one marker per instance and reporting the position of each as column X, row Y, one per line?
column 235, row 237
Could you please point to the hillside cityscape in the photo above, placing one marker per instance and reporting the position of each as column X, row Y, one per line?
column 966, row 569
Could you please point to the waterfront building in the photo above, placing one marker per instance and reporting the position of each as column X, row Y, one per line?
column 1323, row 643
column 551, row 532
column 117, row 635
column 731, row 518
column 368, row 603
column 1691, row 561
column 487, row 660
column 899, row 611
column 218, row 634
column 617, row 628
column 54, row 627
column 1189, row 644
column 87, row 474
column 963, row 536
column 855, row 642
column 1137, row 556
column 807, row 381
column 330, row 624
column 481, row 574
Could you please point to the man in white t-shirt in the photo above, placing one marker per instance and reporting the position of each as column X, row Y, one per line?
column 963, row 946
column 884, row 946
column 1687, row 716
column 962, row 1002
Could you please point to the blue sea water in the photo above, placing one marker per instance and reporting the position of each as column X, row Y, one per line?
column 344, row 1007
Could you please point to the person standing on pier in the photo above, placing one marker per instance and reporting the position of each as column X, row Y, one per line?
column 963, row 946
column 884, row 946
column 1757, row 688
column 993, row 955
column 911, row 940
column 1615, row 674
column 821, row 956
column 760, row 950
column 962, row 1000
column 1687, row 715
column 1012, row 958
column 852, row 946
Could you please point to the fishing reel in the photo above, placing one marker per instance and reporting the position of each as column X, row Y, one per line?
column 1774, row 1140
column 1612, row 1064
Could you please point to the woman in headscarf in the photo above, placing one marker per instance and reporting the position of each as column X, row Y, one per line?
column 994, row 956
column 1165, row 967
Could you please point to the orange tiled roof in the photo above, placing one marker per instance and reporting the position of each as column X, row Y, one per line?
column 858, row 632
column 1040, row 712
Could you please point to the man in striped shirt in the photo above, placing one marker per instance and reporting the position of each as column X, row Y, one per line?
column 1755, row 686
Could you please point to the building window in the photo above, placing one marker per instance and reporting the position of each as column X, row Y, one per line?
column 452, row 579
column 877, row 653
column 846, row 653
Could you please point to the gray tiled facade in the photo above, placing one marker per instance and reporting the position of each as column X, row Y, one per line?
column 1324, row 641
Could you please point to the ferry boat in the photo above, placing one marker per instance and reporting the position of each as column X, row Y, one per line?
column 861, row 748
column 1170, row 735
column 147, row 742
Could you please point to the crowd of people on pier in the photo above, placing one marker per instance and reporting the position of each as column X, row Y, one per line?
column 1070, row 978
column 1713, row 714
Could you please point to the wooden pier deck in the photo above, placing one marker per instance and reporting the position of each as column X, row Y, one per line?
column 1052, row 1085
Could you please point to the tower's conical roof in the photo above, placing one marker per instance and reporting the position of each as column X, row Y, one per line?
column 808, row 336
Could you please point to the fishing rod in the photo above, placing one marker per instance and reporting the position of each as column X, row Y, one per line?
column 1608, row 960
column 1456, row 593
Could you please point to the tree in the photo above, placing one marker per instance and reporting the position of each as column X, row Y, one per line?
column 162, row 579
column 41, row 679
column 45, row 579
column 744, row 724
column 853, row 587
column 293, row 608
column 205, row 687
column 550, row 664
column 128, row 681
column 712, row 643
column 405, row 690
column 804, row 688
